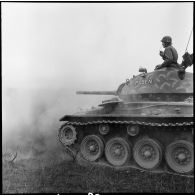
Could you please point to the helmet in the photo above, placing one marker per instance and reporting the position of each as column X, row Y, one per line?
column 166, row 39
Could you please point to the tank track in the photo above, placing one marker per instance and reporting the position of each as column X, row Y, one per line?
column 76, row 155
column 84, row 162
column 131, row 122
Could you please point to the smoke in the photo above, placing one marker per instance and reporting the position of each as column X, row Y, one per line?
column 31, row 121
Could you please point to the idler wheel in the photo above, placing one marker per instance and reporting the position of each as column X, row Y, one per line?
column 117, row 151
column 180, row 156
column 92, row 147
column 147, row 153
column 67, row 135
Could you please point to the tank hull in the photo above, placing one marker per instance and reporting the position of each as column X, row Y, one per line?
column 142, row 110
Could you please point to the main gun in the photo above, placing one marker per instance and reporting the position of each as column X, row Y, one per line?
column 97, row 92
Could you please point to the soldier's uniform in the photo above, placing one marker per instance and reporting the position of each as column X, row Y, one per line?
column 170, row 57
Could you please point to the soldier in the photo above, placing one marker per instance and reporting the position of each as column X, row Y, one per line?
column 169, row 55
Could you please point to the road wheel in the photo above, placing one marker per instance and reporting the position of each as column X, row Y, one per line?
column 147, row 153
column 117, row 151
column 180, row 156
column 92, row 147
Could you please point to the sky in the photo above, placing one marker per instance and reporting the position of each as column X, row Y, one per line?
column 52, row 50
column 78, row 45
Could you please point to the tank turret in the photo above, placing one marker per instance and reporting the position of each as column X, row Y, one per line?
column 163, row 84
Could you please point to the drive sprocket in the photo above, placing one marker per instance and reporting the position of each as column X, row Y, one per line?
column 67, row 135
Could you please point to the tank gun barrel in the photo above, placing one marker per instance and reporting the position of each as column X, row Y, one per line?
column 97, row 92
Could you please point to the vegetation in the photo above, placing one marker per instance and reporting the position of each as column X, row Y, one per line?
column 34, row 176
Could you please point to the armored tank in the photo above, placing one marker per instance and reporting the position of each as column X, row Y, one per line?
column 146, row 125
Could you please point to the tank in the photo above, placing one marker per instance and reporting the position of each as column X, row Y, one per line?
column 147, row 124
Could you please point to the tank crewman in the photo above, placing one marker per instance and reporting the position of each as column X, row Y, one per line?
column 169, row 55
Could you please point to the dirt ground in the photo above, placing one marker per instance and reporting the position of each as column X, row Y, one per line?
column 44, row 176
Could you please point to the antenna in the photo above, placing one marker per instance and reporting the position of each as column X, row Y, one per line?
column 189, row 39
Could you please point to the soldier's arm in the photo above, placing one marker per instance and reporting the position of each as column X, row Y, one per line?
column 168, row 54
column 168, row 57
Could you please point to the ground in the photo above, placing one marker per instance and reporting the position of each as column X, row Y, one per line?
column 38, row 176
